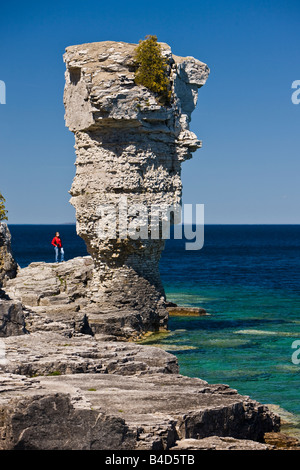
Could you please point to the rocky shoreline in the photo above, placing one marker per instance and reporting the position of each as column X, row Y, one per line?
column 66, row 385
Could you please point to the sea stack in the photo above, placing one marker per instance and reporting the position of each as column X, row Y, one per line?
column 129, row 150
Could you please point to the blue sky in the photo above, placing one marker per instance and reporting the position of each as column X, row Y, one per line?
column 248, row 169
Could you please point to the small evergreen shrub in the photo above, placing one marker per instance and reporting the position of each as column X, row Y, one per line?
column 151, row 69
column 54, row 373
column 3, row 211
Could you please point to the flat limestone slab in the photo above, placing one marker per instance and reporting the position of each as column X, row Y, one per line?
column 109, row 411
column 220, row 443
column 45, row 353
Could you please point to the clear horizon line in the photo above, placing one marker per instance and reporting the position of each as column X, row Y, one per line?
column 214, row 223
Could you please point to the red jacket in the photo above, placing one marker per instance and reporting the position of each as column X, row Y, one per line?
column 57, row 242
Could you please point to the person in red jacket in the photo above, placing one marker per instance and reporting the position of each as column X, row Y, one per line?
column 57, row 243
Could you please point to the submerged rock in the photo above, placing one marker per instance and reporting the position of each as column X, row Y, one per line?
column 282, row 441
column 186, row 311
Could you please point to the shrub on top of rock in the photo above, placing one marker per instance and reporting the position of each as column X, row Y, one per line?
column 151, row 70
column 3, row 211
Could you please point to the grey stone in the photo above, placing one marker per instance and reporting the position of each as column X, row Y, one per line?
column 129, row 147
column 12, row 319
column 44, row 353
column 34, row 418
column 114, row 412
column 8, row 266
column 53, row 295
column 47, row 284
column 219, row 443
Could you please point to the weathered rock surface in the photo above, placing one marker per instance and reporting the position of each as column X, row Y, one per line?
column 52, row 284
column 129, row 153
column 57, row 297
column 156, row 408
column 44, row 353
column 282, row 441
column 36, row 417
column 12, row 319
column 219, row 443
column 8, row 266
column 53, row 295
column 120, row 395
column 129, row 412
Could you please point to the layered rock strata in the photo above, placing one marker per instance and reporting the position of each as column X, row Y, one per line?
column 109, row 412
column 49, row 284
column 53, row 295
column 129, row 153
column 47, row 353
column 8, row 266
column 12, row 320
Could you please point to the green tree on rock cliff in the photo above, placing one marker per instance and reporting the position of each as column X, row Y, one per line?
column 151, row 69
column 3, row 211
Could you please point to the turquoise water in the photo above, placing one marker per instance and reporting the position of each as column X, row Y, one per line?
column 248, row 280
column 245, row 342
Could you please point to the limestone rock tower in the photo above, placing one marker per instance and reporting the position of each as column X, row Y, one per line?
column 129, row 151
